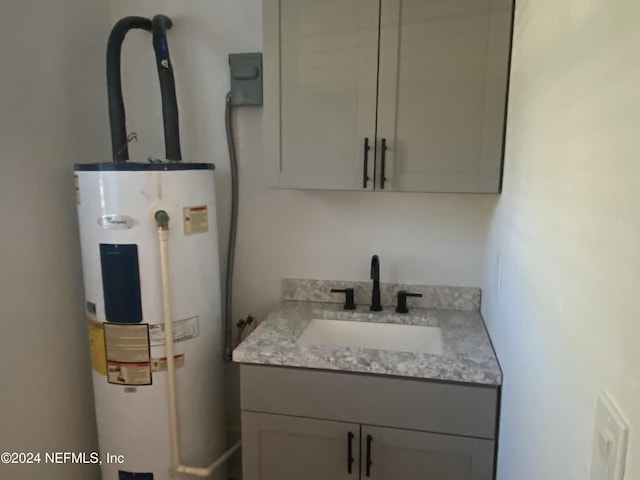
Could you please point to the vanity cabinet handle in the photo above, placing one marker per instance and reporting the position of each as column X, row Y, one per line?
column 350, row 453
column 365, row 177
column 383, row 159
column 369, row 462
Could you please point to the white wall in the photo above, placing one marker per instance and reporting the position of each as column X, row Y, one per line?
column 53, row 113
column 565, row 322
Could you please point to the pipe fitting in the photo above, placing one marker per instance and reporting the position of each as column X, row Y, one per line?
column 162, row 219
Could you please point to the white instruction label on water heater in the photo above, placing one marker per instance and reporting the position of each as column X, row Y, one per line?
column 128, row 353
column 196, row 219
column 160, row 364
column 183, row 330
column 125, row 373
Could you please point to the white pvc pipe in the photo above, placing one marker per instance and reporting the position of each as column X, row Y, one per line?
column 163, row 236
column 207, row 471
column 176, row 463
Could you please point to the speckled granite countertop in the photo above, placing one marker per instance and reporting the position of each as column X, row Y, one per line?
column 467, row 356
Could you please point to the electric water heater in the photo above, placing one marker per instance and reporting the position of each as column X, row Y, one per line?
column 152, row 285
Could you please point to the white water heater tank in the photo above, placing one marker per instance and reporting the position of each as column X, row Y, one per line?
column 124, row 305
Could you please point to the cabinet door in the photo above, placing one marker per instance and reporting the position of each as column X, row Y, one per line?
column 442, row 93
column 320, row 78
column 412, row 455
column 279, row 447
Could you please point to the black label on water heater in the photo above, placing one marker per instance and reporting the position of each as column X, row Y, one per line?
column 121, row 283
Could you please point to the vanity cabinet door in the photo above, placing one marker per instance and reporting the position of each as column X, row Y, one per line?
column 279, row 447
column 320, row 78
column 412, row 455
column 442, row 94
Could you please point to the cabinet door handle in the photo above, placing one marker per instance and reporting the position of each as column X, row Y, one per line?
column 350, row 452
column 383, row 154
column 369, row 462
column 365, row 177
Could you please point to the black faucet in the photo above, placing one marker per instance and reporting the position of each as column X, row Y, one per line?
column 375, row 292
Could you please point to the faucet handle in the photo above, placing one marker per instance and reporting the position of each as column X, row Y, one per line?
column 349, row 302
column 402, row 300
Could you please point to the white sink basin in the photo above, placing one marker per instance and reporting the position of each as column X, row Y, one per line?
column 379, row 336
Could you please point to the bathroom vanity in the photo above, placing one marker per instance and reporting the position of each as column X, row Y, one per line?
column 328, row 411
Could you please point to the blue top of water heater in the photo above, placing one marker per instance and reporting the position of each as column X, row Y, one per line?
column 140, row 167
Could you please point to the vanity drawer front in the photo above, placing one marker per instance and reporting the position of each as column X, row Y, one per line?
column 375, row 400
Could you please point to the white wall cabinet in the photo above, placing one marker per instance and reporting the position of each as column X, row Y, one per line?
column 394, row 95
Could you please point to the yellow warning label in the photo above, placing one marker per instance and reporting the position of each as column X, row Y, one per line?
column 96, row 347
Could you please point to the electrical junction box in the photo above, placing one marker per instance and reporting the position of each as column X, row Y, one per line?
column 609, row 442
column 246, row 78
